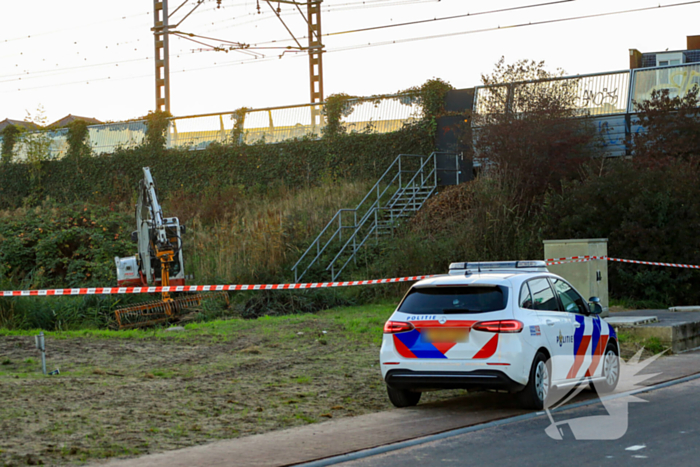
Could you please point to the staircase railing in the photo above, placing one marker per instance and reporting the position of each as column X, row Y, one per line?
column 371, row 210
column 373, row 216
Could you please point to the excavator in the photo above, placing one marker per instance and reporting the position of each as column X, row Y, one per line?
column 159, row 262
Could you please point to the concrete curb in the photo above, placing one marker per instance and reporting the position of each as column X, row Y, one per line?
column 678, row 309
column 460, row 431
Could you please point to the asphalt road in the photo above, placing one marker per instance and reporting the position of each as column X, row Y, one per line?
column 663, row 431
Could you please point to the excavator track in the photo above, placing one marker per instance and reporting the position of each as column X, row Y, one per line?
column 151, row 313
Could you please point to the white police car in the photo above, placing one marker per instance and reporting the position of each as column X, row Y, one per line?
column 500, row 325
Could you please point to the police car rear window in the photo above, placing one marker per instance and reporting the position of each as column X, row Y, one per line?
column 454, row 300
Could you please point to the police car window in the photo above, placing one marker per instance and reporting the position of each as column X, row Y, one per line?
column 454, row 300
column 570, row 299
column 543, row 297
column 525, row 297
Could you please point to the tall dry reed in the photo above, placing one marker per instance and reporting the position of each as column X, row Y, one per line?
column 259, row 239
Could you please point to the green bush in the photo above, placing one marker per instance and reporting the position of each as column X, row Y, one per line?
column 671, row 128
column 646, row 214
column 63, row 246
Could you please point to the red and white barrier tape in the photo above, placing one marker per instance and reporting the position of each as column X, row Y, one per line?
column 573, row 259
column 200, row 288
column 303, row 286
column 579, row 259
column 651, row 263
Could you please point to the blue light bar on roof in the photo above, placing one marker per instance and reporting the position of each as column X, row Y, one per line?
column 497, row 265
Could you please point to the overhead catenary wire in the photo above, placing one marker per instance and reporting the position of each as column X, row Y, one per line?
column 110, row 20
column 72, row 28
column 431, row 20
column 284, row 24
column 444, row 18
column 412, row 39
column 324, row 9
column 241, row 50
column 480, row 13
column 23, row 76
column 531, row 23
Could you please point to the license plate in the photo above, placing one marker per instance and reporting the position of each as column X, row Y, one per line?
column 446, row 335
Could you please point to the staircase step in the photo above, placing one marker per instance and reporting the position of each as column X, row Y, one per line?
column 408, row 201
column 421, row 196
column 400, row 210
column 408, row 194
column 402, row 204
column 416, row 190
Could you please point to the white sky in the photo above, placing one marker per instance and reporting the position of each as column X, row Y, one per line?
column 95, row 58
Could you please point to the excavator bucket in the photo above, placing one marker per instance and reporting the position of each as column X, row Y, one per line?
column 162, row 311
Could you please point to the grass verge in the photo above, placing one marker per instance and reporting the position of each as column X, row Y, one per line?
column 631, row 344
column 141, row 391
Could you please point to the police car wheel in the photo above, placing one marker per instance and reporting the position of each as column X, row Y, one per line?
column 611, row 369
column 402, row 397
column 535, row 393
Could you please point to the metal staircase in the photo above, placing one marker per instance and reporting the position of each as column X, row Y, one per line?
column 400, row 192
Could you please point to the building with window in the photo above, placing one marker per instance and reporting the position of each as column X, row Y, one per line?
column 668, row 57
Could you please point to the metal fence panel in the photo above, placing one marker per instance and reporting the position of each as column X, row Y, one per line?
column 381, row 116
column 593, row 94
column 677, row 79
column 271, row 125
column 56, row 140
column 110, row 136
column 200, row 131
column 275, row 125
column 604, row 94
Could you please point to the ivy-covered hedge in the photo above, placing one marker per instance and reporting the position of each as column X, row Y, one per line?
column 113, row 178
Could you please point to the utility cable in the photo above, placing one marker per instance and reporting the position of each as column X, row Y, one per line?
column 532, row 23
column 478, row 13
column 73, row 28
column 324, row 9
column 423, row 21
column 413, row 39
column 284, row 24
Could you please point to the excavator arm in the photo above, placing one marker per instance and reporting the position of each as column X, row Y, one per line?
column 159, row 261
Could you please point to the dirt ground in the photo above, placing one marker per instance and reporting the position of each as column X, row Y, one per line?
column 147, row 393
column 137, row 392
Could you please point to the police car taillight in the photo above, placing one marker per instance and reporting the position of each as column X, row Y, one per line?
column 392, row 327
column 504, row 325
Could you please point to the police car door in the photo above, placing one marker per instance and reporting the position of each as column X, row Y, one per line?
column 556, row 326
column 586, row 331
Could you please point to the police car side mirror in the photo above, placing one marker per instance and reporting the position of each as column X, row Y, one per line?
column 594, row 305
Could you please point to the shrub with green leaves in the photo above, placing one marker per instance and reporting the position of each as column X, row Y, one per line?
column 671, row 128
column 646, row 214
column 69, row 246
